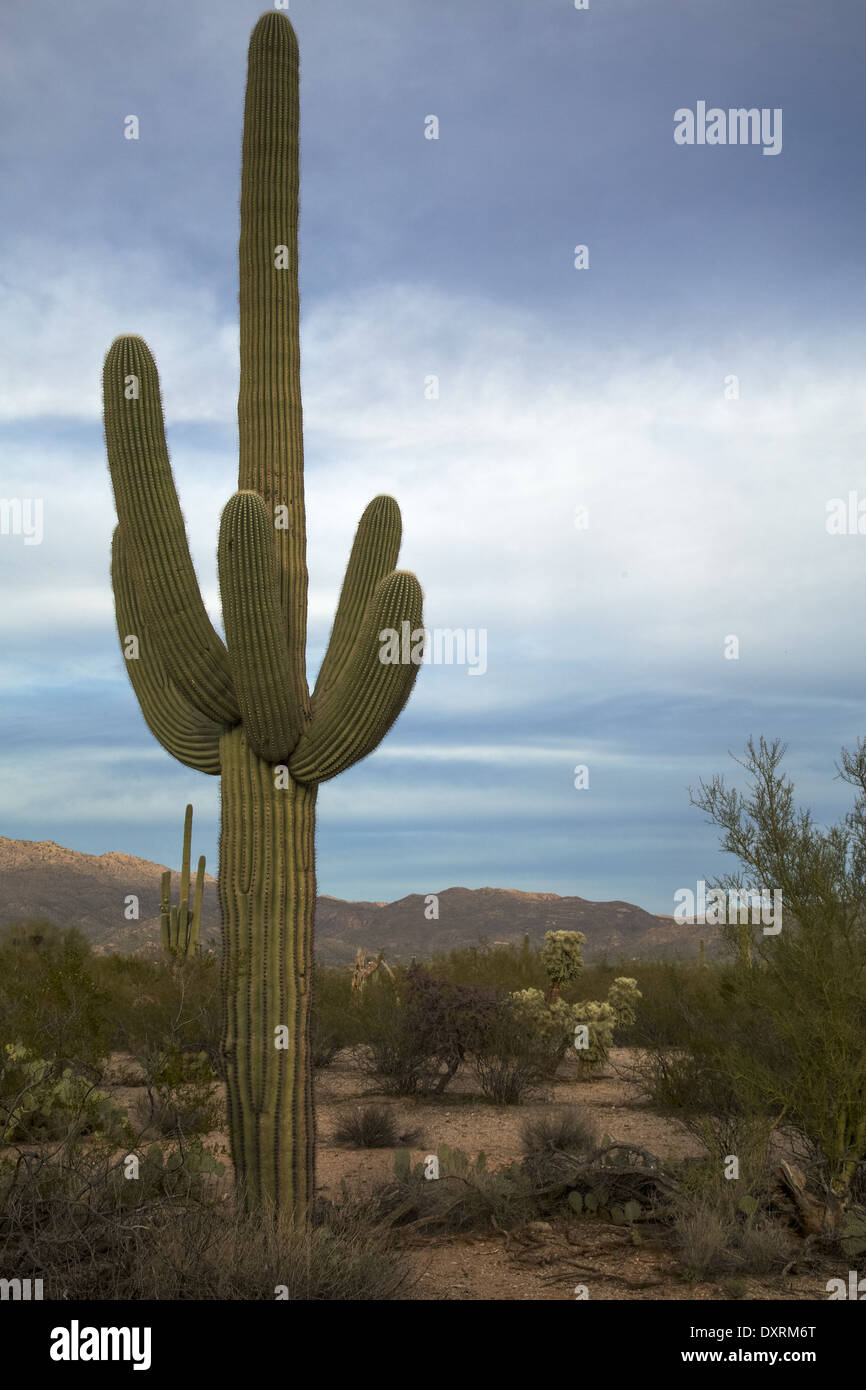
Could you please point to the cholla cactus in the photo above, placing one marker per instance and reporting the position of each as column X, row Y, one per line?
column 561, row 958
column 623, row 997
column 599, row 1021
column 551, row 1022
column 556, row 1023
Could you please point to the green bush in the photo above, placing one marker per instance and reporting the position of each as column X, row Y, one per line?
column 334, row 1022
column 50, row 998
column 418, row 1029
column 181, row 1097
column 163, row 1003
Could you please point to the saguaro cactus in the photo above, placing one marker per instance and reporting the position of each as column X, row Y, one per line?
column 181, row 925
column 243, row 708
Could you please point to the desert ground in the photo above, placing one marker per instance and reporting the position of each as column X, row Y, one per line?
column 542, row 1260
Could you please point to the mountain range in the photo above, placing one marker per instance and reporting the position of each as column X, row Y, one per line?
column 114, row 900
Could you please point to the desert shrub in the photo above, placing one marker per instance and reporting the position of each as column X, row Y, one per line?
column 418, row 1029
column 42, row 1100
column 181, row 1097
column 560, row 1131
column 372, row 1127
column 701, row 1240
column 466, row 1196
column 711, row 1241
column 164, row 1002
column 510, row 1060
column 792, row 1047
column 74, row 1219
column 50, row 1000
column 503, row 968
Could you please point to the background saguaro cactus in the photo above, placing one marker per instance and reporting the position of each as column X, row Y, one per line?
column 181, row 925
column 242, row 708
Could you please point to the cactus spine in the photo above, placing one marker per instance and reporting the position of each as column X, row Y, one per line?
column 242, row 708
column 181, row 925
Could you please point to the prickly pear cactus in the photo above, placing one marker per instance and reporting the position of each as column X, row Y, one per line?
column 242, row 708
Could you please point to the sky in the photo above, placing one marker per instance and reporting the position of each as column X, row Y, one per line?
column 697, row 388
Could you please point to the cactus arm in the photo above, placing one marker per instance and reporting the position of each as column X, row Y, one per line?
column 183, row 905
column 195, row 920
column 149, row 512
column 270, row 700
column 182, row 729
column 271, row 450
column 366, row 699
column 374, row 555
column 165, row 910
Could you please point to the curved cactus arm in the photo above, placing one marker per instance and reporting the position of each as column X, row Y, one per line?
column 148, row 509
column 271, row 690
column 364, row 702
column 182, row 729
column 374, row 555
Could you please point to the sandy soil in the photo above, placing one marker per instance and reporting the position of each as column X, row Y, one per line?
column 542, row 1261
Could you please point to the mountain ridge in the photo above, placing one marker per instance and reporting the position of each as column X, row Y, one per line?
column 39, row 878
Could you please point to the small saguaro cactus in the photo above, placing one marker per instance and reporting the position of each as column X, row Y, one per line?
column 242, row 708
column 181, row 925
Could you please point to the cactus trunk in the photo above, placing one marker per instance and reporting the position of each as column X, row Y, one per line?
column 267, row 896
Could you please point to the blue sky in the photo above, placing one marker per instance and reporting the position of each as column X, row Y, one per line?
column 559, row 387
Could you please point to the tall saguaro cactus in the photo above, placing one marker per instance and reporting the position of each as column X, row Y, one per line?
column 242, row 708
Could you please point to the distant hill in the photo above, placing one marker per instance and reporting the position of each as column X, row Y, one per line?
column 42, row 879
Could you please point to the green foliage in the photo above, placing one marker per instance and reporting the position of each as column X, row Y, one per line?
column 181, row 1098
column 853, row 1239
column 334, row 1018
column 775, row 1038
column 50, row 998
column 154, row 1005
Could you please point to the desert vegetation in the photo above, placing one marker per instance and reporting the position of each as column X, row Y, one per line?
column 711, row 1137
